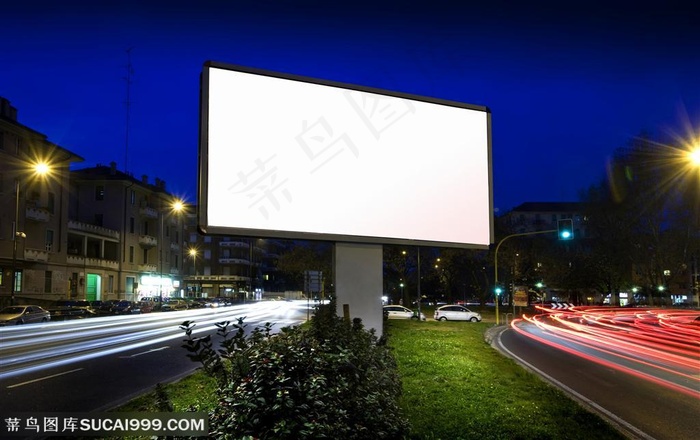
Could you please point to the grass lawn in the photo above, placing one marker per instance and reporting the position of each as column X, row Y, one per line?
column 456, row 386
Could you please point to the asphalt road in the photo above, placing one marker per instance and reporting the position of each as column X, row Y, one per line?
column 638, row 407
column 98, row 363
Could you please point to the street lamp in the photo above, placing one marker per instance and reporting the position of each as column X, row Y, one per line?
column 193, row 254
column 40, row 169
column 694, row 156
column 694, row 162
column 176, row 206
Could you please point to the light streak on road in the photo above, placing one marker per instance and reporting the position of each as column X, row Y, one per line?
column 658, row 345
column 30, row 348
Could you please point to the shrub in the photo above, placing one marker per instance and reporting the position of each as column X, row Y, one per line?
column 331, row 379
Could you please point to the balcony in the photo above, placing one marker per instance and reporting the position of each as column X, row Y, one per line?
column 149, row 212
column 92, row 229
column 233, row 261
column 147, row 267
column 174, row 246
column 235, row 244
column 79, row 260
column 148, row 241
column 36, row 255
column 37, row 214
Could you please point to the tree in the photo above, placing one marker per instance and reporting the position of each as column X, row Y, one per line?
column 641, row 219
column 305, row 256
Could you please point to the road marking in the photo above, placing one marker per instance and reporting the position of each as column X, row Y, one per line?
column 144, row 352
column 586, row 402
column 43, row 378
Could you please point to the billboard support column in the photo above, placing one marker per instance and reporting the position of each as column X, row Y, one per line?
column 358, row 283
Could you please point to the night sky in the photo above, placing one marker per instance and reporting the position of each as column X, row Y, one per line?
column 567, row 82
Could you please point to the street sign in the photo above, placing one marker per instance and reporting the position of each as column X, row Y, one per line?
column 520, row 296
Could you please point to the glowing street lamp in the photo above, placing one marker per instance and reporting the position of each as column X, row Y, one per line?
column 193, row 254
column 176, row 206
column 694, row 156
column 40, row 169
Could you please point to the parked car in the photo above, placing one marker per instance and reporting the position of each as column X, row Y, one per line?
column 105, row 306
column 456, row 313
column 125, row 307
column 401, row 312
column 197, row 303
column 174, row 304
column 17, row 315
column 146, row 306
column 68, row 308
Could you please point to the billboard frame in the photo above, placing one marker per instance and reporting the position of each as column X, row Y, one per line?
column 203, row 174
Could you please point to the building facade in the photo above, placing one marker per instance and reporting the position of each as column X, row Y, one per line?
column 33, row 221
column 98, row 233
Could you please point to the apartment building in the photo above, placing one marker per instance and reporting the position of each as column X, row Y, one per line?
column 541, row 216
column 98, row 233
column 34, row 214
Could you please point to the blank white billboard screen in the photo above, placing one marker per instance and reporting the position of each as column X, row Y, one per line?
column 292, row 158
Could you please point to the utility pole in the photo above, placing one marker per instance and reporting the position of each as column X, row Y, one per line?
column 495, row 265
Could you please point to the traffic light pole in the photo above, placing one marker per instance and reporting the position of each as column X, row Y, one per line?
column 495, row 263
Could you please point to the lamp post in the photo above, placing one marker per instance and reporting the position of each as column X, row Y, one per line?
column 694, row 161
column 193, row 254
column 40, row 169
column 176, row 206
column 15, row 235
column 495, row 262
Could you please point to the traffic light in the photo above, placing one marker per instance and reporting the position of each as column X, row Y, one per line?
column 498, row 290
column 565, row 229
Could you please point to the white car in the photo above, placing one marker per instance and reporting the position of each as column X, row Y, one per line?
column 456, row 313
column 401, row 312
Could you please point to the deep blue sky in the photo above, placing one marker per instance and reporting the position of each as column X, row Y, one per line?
column 567, row 82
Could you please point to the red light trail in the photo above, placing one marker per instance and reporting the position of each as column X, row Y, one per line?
column 658, row 345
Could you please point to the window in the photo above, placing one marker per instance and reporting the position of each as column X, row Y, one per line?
column 132, row 225
column 49, row 241
column 2, row 140
column 99, row 192
column 132, row 197
column 131, row 254
column 52, row 203
column 99, row 219
column 145, row 256
column 110, row 284
column 47, row 281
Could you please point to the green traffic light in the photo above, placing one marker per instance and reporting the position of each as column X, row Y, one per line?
column 565, row 228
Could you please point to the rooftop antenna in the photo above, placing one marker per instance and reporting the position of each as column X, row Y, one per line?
column 129, row 72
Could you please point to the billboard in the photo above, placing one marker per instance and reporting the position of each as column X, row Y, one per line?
column 294, row 157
